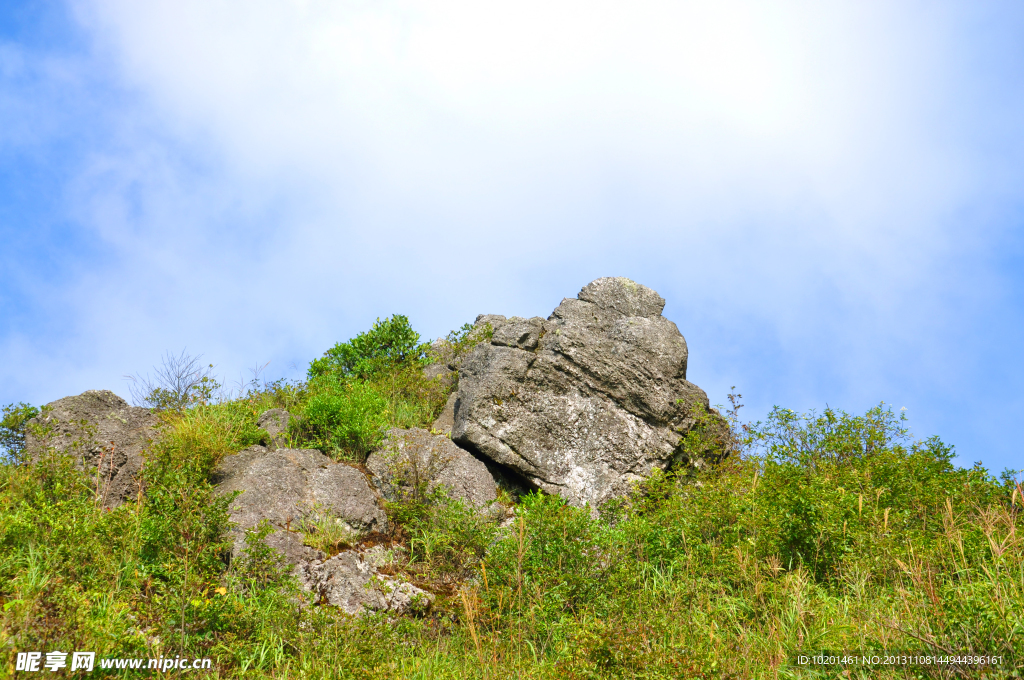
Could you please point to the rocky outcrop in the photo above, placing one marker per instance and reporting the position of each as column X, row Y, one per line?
column 290, row 486
column 585, row 402
column 296, row 491
column 103, row 433
column 416, row 461
column 351, row 580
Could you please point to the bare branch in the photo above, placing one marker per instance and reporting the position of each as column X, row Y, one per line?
column 180, row 382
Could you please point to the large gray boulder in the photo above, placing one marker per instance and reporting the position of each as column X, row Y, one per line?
column 103, row 433
column 288, row 487
column 583, row 403
column 414, row 460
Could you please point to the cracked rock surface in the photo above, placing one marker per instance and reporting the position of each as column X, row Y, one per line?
column 585, row 402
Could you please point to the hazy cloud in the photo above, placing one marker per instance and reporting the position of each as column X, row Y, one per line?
column 826, row 194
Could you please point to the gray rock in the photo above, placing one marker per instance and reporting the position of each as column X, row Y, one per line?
column 275, row 423
column 495, row 321
column 289, row 485
column 350, row 580
column 518, row 332
column 103, row 433
column 440, row 366
column 446, row 420
column 584, row 403
column 445, row 357
column 410, row 456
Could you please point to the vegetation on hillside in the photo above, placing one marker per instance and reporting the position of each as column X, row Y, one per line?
column 821, row 531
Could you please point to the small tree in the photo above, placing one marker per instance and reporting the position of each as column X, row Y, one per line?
column 12, row 430
column 180, row 382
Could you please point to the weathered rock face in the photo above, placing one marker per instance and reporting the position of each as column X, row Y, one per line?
column 408, row 457
column 288, row 485
column 104, row 434
column 350, row 580
column 585, row 402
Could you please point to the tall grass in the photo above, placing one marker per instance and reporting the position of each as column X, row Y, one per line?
column 820, row 532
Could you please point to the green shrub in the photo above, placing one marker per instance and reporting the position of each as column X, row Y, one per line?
column 345, row 417
column 835, row 485
column 412, row 399
column 259, row 566
column 447, row 537
column 556, row 557
column 12, row 430
column 389, row 344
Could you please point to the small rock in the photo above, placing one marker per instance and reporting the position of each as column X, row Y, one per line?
column 351, row 581
column 275, row 423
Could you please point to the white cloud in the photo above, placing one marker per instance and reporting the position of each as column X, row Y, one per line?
column 283, row 172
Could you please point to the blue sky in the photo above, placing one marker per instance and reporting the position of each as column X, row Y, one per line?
column 829, row 195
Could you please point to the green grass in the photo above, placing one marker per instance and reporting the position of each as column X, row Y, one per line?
column 820, row 532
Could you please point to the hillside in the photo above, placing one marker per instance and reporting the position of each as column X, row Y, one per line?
column 526, row 498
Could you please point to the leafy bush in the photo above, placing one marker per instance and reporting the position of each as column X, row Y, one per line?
column 835, row 485
column 259, row 567
column 373, row 381
column 345, row 417
column 556, row 557
column 389, row 344
column 12, row 430
column 412, row 399
column 447, row 537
